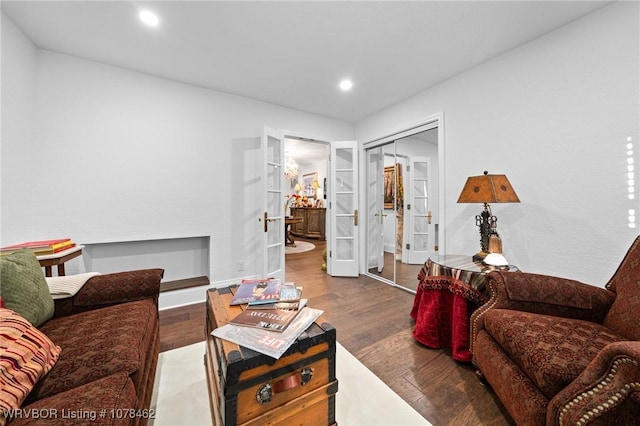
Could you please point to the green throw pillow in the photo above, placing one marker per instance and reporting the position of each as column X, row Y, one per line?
column 23, row 287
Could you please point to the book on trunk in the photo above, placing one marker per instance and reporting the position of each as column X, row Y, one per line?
column 255, row 290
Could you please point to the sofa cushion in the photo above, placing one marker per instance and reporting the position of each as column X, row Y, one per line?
column 544, row 289
column 98, row 343
column 27, row 355
column 24, row 288
column 552, row 351
column 108, row 401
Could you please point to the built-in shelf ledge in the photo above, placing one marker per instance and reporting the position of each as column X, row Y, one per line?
column 185, row 283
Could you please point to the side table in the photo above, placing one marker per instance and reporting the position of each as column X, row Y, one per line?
column 450, row 288
column 58, row 259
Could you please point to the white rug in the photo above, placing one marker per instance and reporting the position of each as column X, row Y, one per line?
column 181, row 397
column 301, row 247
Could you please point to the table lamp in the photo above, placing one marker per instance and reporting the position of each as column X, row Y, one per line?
column 488, row 189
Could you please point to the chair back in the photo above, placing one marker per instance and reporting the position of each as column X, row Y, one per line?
column 624, row 315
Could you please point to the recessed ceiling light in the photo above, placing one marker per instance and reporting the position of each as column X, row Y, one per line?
column 346, row 85
column 149, row 18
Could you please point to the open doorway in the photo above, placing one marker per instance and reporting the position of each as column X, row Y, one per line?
column 306, row 171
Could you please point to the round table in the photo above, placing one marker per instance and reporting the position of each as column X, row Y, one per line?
column 450, row 288
column 288, row 221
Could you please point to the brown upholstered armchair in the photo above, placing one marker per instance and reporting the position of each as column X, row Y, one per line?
column 558, row 352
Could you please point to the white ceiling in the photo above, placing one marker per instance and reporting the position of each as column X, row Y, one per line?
column 294, row 53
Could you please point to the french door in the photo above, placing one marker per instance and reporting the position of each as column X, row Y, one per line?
column 342, row 243
column 421, row 241
column 343, row 210
column 272, row 218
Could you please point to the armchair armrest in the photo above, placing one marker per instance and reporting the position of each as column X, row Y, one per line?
column 608, row 388
column 543, row 294
column 112, row 289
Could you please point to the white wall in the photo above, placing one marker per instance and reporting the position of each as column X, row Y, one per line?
column 103, row 154
column 554, row 116
column 117, row 155
column 18, row 76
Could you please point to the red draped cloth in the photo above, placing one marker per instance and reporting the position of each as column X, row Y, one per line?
column 444, row 301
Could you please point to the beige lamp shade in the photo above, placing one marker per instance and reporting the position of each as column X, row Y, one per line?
column 488, row 189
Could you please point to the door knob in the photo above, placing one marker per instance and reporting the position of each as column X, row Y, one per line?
column 429, row 217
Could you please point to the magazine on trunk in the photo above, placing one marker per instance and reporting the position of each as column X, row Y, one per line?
column 281, row 305
column 268, row 319
column 288, row 293
column 268, row 342
column 259, row 289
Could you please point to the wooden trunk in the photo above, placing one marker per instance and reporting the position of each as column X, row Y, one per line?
column 249, row 388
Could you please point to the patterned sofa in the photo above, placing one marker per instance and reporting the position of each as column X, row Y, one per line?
column 558, row 352
column 108, row 334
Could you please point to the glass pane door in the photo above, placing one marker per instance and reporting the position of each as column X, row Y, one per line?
column 420, row 238
column 343, row 253
column 273, row 216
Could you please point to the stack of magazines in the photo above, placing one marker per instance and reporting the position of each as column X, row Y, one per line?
column 274, row 317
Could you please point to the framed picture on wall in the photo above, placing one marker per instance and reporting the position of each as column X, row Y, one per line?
column 389, row 185
column 392, row 189
column 307, row 183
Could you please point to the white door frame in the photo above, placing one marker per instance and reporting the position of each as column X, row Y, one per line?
column 330, row 235
column 287, row 134
column 306, row 137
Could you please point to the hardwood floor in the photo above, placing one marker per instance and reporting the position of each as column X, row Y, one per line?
column 373, row 323
column 403, row 275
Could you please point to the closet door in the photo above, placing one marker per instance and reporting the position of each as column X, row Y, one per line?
column 375, row 205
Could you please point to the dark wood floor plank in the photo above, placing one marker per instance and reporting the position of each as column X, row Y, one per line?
column 372, row 322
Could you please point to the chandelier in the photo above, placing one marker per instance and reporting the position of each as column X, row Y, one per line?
column 290, row 168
